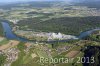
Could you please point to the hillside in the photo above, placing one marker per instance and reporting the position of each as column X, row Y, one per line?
column 66, row 25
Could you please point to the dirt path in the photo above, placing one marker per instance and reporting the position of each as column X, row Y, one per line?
column 72, row 54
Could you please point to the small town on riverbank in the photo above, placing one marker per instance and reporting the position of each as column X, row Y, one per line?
column 50, row 33
column 14, row 50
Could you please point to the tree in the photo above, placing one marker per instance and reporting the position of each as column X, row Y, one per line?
column 2, row 59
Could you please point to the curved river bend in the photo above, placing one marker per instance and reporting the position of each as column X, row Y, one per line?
column 10, row 35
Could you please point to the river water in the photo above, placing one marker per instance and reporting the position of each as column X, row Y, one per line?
column 10, row 35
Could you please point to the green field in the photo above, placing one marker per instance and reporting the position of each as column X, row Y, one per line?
column 4, row 41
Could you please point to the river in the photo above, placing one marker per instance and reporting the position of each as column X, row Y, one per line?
column 10, row 35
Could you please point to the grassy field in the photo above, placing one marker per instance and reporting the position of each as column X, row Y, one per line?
column 4, row 41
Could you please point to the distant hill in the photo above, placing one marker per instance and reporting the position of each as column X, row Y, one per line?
column 88, row 3
column 66, row 25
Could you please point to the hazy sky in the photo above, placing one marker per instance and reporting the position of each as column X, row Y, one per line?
column 37, row 0
column 22, row 0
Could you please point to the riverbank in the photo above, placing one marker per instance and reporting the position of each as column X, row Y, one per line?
column 10, row 35
column 43, row 36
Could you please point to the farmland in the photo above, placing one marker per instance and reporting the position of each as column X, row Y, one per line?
column 48, row 21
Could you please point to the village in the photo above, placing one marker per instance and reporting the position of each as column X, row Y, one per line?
column 44, row 36
column 11, row 51
column 49, row 29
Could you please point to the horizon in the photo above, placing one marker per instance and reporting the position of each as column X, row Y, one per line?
column 14, row 1
column 10, row 1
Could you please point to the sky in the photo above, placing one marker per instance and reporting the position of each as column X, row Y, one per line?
column 5, row 1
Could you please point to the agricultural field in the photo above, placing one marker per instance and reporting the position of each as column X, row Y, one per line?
column 47, row 33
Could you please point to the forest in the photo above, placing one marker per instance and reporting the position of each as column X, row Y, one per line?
column 66, row 25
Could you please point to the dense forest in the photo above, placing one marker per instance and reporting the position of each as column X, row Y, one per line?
column 66, row 25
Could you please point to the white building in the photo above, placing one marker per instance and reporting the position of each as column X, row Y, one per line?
column 60, row 36
column 56, row 36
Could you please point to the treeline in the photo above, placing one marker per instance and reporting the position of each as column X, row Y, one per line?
column 1, row 30
column 66, row 25
column 94, row 38
column 2, row 59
